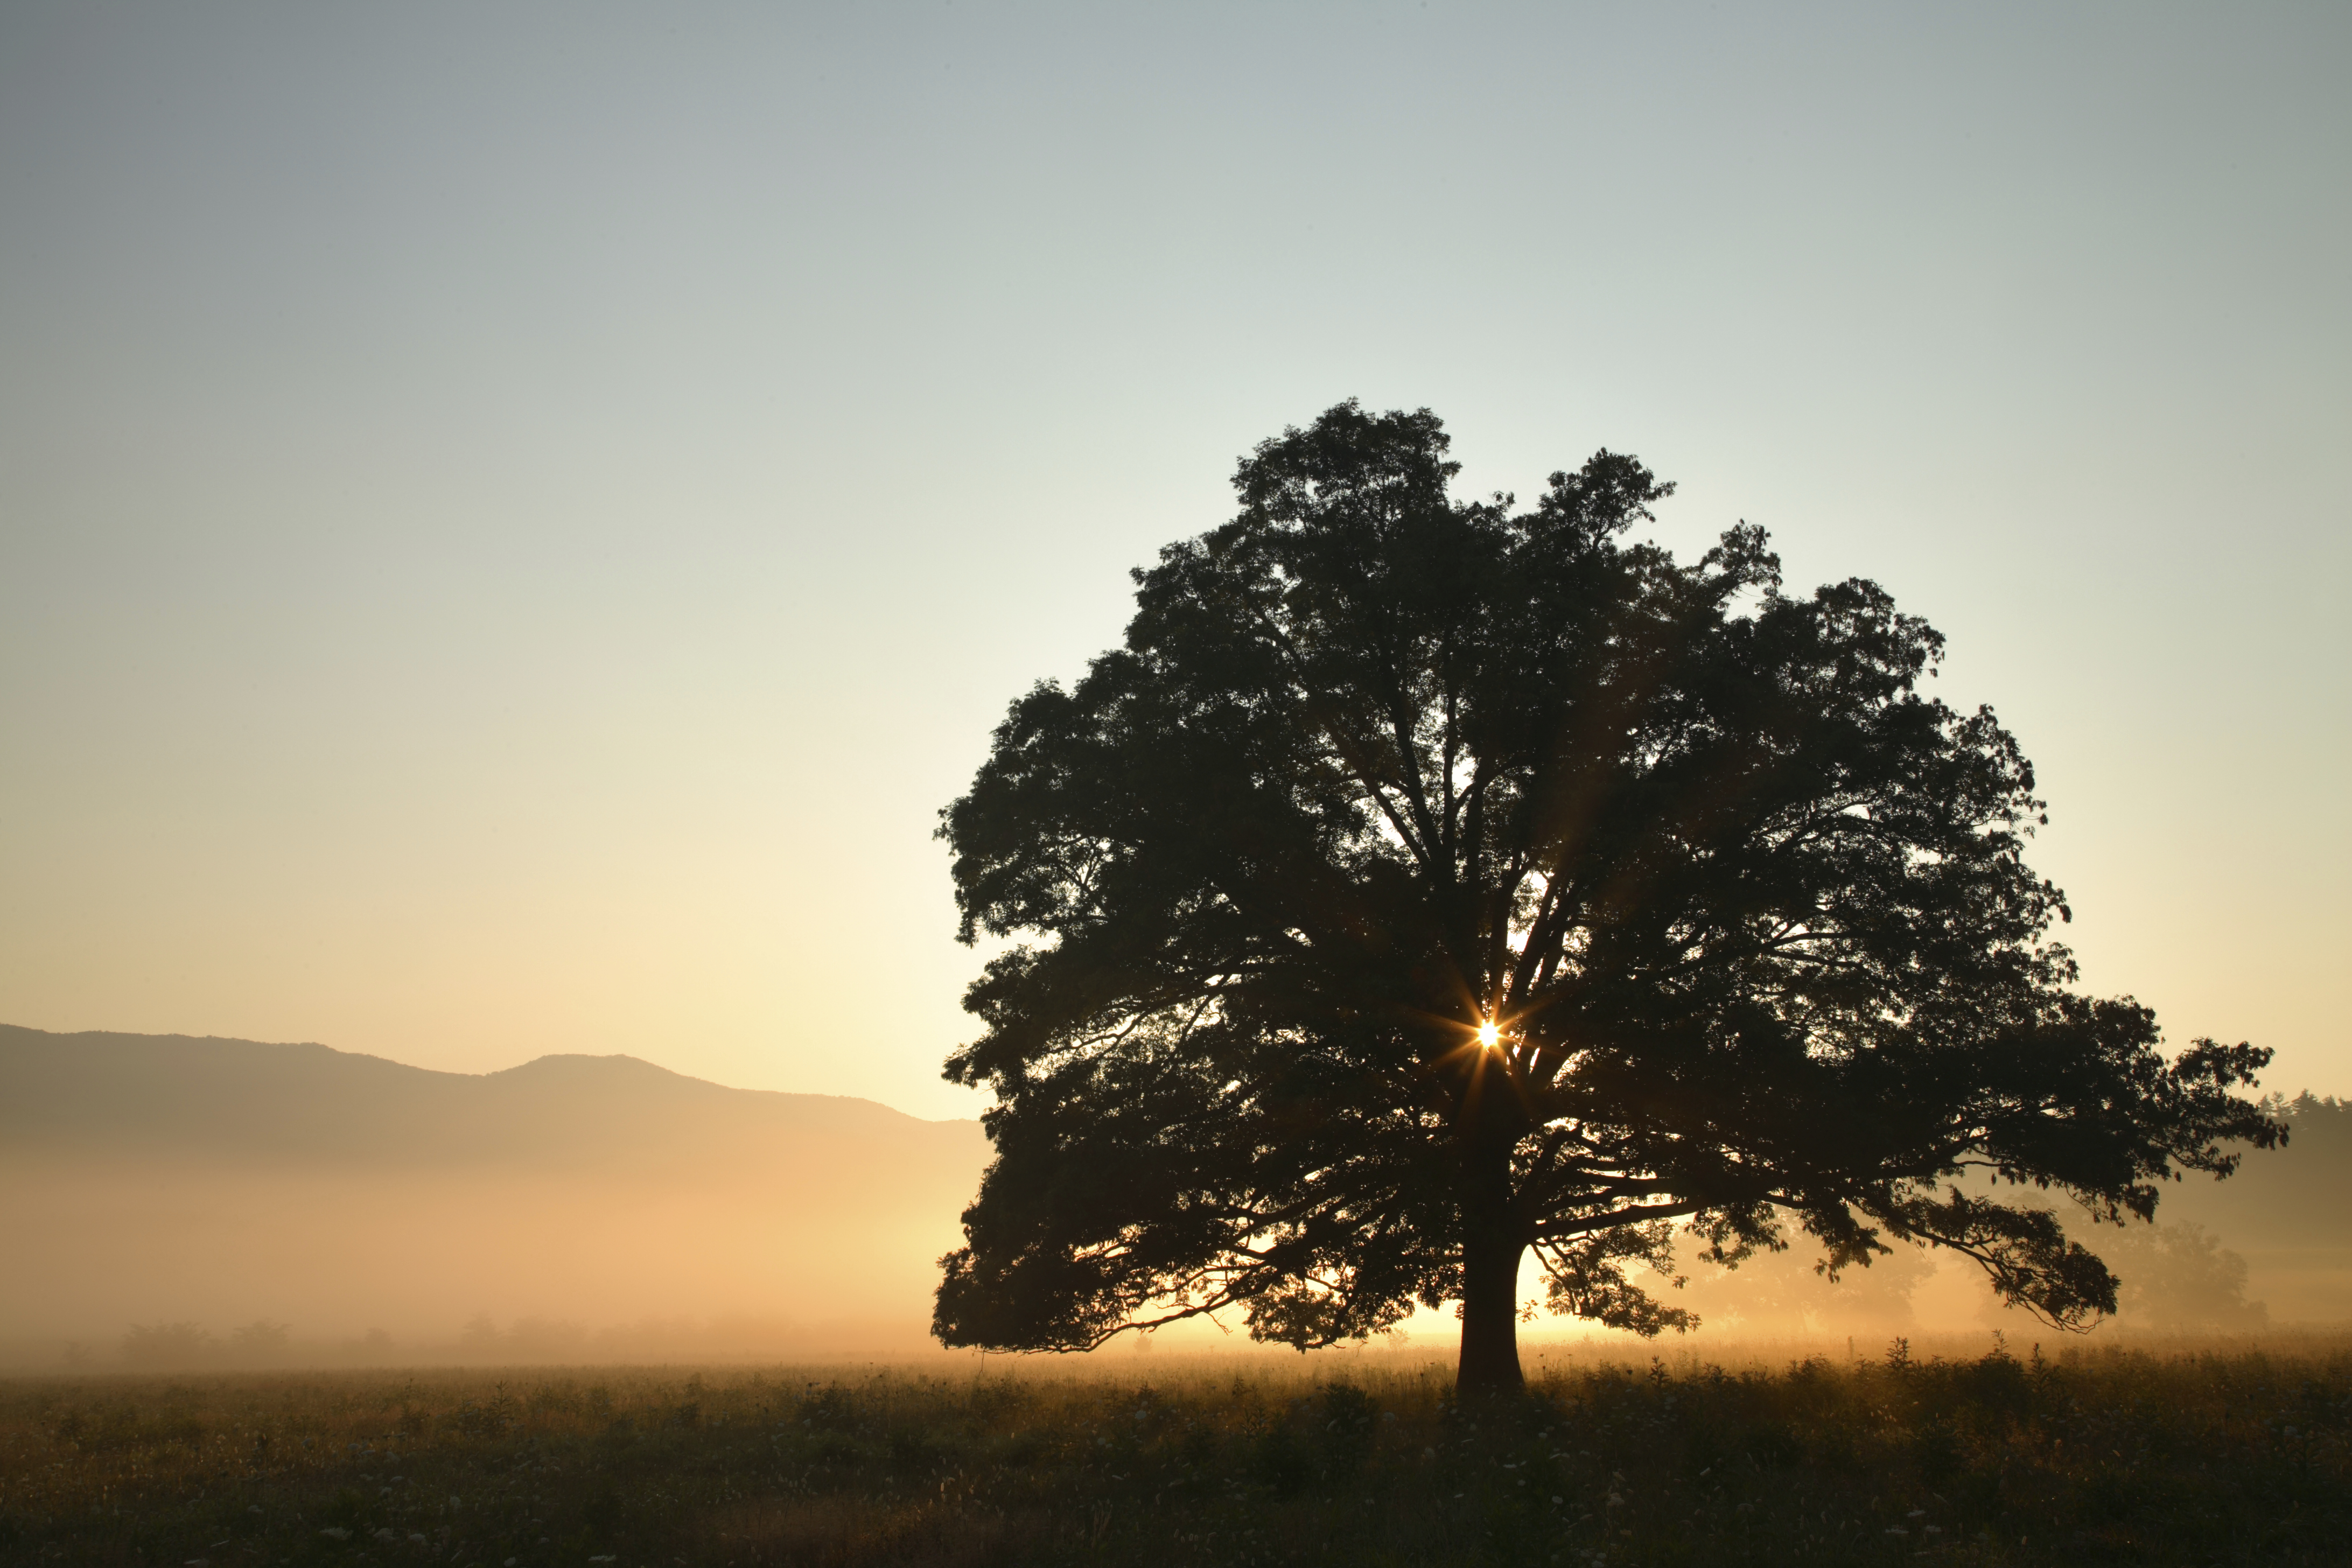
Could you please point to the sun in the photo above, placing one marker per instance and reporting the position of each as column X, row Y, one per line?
column 1488, row 1035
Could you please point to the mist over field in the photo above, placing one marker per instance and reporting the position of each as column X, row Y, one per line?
column 177, row 1202
column 337, row 1207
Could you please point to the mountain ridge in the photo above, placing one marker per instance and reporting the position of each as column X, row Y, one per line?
column 258, row 1101
column 155, row 1178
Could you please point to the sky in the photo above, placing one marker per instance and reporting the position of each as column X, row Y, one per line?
column 514, row 520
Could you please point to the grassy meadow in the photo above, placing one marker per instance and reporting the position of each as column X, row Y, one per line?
column 2225, row 1454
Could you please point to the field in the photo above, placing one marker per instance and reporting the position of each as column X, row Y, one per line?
column 2223, row 1455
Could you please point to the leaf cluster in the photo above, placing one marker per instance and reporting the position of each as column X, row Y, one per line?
column 1746, row 911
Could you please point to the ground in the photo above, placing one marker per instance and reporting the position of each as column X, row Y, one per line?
column 2195, row 1456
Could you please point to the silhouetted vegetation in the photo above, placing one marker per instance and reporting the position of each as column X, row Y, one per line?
column 2237, row 1458
column 2285, row 1214
column 163, row 1346
column 1424, row 883
column 268, row 1265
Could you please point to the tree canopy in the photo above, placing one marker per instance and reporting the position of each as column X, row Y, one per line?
column 1424, row 882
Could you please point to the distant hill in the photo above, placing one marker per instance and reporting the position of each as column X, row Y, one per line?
column 601, row 1208
column 309, row 1103
column 168, row 1178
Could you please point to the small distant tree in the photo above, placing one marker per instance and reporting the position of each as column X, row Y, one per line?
column 2180, row 1277
column 546, row 1339
column 1424, row 882
column 163, row 1346
column 259, row 1340
column 1785, row 1293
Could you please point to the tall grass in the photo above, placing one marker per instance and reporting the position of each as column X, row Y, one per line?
column 2230, row 1455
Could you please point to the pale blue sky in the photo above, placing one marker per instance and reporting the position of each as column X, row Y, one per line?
column 512, row 520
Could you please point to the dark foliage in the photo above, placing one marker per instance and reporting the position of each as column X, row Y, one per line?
column 1746, row 914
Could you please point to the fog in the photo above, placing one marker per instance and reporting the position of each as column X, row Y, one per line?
column 339, row 1207
column 173, row 1202
column 2269, row 1247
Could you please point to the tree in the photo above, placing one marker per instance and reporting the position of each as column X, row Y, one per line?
column 150, row 1346
column 2180, row 1277
column 1424, row 882
column 260, row 1340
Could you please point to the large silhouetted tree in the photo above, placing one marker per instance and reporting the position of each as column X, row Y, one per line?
column 1424, row 882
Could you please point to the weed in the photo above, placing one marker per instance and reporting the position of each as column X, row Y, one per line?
column 2096, row 1457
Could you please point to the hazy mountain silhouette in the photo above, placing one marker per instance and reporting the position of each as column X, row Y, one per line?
column 243, row 1099
column 580, row 1207
column 168, row 1178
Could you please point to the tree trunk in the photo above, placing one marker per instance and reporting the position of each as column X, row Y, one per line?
column 1491, row 1247
column 1490, row 1314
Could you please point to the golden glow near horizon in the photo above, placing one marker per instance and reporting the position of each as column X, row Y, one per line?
column 1489, row 1036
